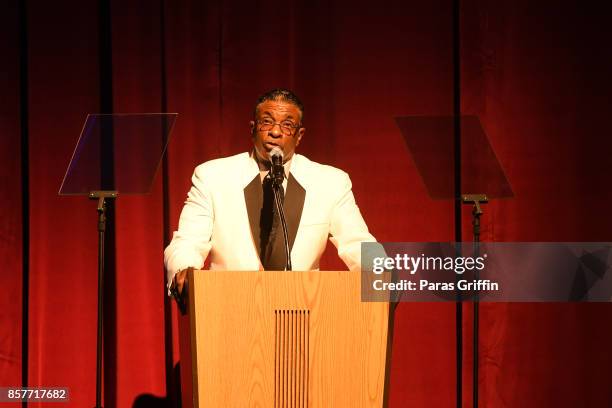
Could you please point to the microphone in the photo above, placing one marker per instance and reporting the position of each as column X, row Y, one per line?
column 277, row 172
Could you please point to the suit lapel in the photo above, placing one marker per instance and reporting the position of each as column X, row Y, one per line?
column 253, row 197
column 293, row 206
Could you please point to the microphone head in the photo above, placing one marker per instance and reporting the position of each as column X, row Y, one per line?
column 276, row 152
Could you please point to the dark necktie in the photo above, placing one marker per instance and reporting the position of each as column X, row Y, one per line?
column 271, row 231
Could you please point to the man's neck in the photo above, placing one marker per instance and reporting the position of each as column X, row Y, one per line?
column 264, row 165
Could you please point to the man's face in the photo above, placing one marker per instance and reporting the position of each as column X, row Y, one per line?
column 277, row 123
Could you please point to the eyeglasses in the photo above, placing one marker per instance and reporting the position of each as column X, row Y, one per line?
column 287, row 127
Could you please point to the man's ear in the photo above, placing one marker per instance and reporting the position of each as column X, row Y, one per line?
column 252, row 125
column 299, row 135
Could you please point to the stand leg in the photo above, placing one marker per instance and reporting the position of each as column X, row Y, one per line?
column 101, row 231
column 100, row 196
column 476, row 213
column 476, row 200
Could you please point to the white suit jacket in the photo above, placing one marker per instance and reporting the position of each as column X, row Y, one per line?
column 220, row 217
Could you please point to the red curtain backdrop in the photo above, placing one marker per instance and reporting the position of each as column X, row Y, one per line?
column 62, row 77
column 11, row 236
column 535, row 74
column 137, row 87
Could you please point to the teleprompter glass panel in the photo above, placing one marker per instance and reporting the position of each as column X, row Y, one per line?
column 119, row 152
column 430, row 140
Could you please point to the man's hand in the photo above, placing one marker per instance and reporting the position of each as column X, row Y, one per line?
column 179, row 280
column 176, row 289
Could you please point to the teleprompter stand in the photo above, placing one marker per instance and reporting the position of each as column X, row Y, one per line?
column 115, row 153
column 475, row 200
column 101, row 196
column 448, row 175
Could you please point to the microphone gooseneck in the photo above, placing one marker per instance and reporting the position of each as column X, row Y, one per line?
column 277, row 172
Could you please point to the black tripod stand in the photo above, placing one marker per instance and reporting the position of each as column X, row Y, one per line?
column 475, row 200
column 101, row 196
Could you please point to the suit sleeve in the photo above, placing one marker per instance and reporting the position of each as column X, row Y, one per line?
column 348, row 229
column 191, row 243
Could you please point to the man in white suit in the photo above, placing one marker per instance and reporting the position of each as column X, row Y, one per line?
column 229, row 212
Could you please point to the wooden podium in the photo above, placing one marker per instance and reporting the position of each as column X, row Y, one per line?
column 282, row 339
